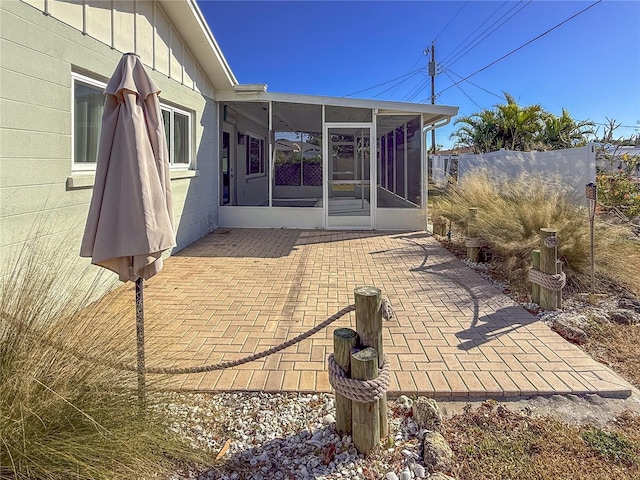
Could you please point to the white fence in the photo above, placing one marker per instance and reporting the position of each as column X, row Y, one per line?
column 571, row 168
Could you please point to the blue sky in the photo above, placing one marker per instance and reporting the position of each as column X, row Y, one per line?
column 589, row 66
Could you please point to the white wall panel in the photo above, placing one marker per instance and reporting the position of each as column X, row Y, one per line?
column 69, row 12
column 162, row 36
column 188, row 69
column 123, row 25
column 39, row 4
column 175, row 56
column 98, row 13
column 144, row 31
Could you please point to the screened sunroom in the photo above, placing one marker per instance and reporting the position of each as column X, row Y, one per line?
column 298, row 161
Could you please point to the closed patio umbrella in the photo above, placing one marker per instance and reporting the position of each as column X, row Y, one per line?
column 129, row 223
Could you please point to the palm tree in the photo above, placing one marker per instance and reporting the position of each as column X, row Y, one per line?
column 519, row 124
column 479, row 131
column 514, row 127
column 564, row 132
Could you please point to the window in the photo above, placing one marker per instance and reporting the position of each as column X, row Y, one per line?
column 177, row 129
column 88, row 105
column 255, row 155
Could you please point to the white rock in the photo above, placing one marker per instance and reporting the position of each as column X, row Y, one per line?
column 328, row 419
column 418, row 470
column 392, row 476
column 405, row 474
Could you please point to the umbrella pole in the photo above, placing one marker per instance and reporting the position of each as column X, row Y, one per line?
column 140, row 338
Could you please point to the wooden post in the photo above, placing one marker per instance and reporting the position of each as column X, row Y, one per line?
column 440, row 226
column 548, row 259
column 344, row 339
column 559, row 292
column 366, row 416
column 368, row 302
column 535, row 288
column 472, row 252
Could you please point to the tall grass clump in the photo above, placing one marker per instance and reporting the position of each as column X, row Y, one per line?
column 65, row 415
column 510, row 215
column 617, row 256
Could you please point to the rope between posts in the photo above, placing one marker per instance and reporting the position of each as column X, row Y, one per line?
column 387, row 313
column 363, row 391
column 551, row 282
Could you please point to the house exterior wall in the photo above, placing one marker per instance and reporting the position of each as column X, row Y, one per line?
column 40, row 193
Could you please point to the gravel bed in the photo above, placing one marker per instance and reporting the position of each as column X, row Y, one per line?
column 288, row 436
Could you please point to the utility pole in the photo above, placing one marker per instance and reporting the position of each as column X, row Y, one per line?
column 432, row 74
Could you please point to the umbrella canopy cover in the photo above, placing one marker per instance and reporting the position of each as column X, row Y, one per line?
column 129, row 223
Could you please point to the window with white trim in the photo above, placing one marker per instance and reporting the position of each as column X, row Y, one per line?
column 88, row 105
column 255, row 155
column 177, row 129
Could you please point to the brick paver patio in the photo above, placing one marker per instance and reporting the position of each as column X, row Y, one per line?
column 240, row 291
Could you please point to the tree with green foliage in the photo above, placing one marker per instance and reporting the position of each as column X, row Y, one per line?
column 514, row 127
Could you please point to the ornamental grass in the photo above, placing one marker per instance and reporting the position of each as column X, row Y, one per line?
column 510, row 215
column 63, row 416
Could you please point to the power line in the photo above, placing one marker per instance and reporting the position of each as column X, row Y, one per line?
column 452, row 19
column 471, row 45
column 416, row 90
column 465, row 93
column 501, row 97
column 396, row 84
column 478, row 40
column 384, row 83
column 454, row 51
column 522, row 46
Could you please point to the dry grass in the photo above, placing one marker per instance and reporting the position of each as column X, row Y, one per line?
column 617, row 347
column 510, row 215
column 63, row 417
column 491, row 442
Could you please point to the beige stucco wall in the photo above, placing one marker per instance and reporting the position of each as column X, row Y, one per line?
column 39, row 193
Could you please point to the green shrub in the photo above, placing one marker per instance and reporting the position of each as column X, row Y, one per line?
column 611, row 445
column 618, row 190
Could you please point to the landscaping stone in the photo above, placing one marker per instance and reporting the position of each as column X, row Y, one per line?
column 426, row 413
column 600, row 318
column 437, row 455
column 568, row 331
column 624, row 317
column 629, row 304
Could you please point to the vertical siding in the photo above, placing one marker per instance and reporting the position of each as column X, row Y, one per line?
column 175, row 56
column 124, row 26
column 162, row 41
column 128, row 26
column 68, row 12
column 98, row 14
column 39, row 54
column 144, row 31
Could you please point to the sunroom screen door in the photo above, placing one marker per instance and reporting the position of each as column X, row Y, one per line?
column 348, row 186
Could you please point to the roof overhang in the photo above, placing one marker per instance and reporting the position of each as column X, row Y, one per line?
column 432, row 114
column 192, row 27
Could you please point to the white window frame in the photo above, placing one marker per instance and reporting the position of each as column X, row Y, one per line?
column 91, row 167
column 248, row 135
column 91, row 82
column 173, row 110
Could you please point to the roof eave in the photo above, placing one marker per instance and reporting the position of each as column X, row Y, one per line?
column 436, row 112
column 192, row 27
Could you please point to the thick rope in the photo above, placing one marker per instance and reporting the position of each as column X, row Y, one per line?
column 551, row 282
column 362, row 391
column 474, row 242
column 387, row 314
